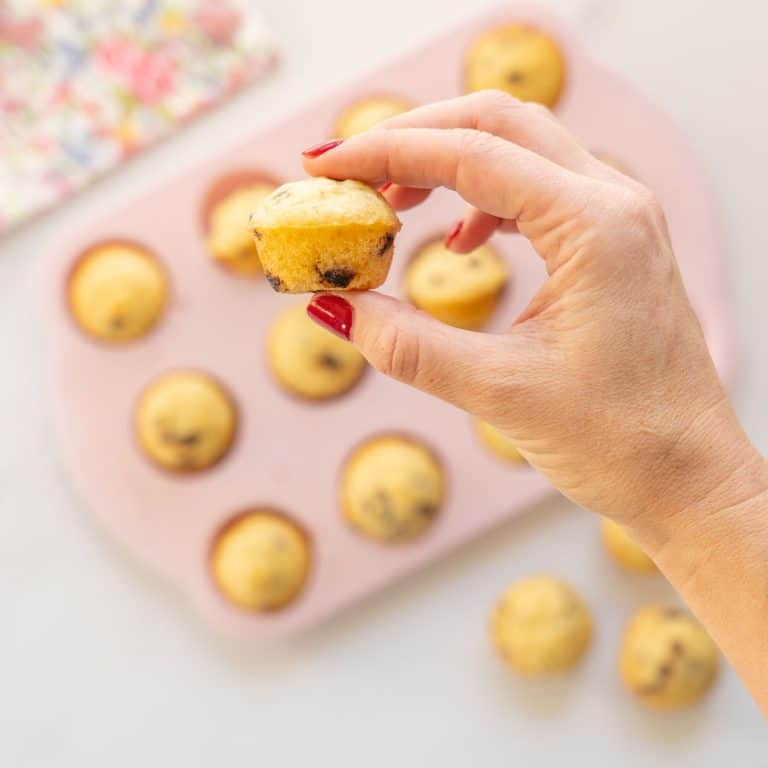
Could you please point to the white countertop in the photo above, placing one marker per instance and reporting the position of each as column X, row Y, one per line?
column 100, row 665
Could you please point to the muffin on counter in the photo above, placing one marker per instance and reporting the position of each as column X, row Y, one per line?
column 498, row 442
column 117, row 291
column 624, row 549
column 365, row 113
column 459, row 289
column 541, row 626
column 392, row 488
column 519, row 59
column 225, row 215
column 185, row 421
column 320, row 234
column 667, row 659
column 309, row 361
column 261, row 560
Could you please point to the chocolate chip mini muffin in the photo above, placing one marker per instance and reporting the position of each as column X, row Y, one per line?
column 623, row 548
column 185, row 421
column 261, row 560
column 541, row 626
column 117, row 291
column 392, row 488
column 459, row 289
column 308, row 360
column 366, row 113
column 499, row 443
column 226, row 213
column 320, row 234
column 666, row 658
column 519, row 59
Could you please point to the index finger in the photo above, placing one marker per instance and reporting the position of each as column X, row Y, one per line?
column 496, row 176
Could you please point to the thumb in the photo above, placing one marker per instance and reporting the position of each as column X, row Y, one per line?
column 463, row 367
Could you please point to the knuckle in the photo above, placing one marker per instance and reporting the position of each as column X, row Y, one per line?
column 539, row 110
column 395, row 354
column 644, row 208
column 496, row 99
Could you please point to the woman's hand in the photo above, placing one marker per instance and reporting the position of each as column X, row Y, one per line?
column 604, row 382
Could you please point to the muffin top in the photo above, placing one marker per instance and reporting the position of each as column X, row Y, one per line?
column 439, row 274
column 364, row 114
column 117, row 291
column 321, row 202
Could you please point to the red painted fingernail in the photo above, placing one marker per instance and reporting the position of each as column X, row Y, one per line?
column 453, row 234
column 320, row 149
column 385, row 186
column 333, row 313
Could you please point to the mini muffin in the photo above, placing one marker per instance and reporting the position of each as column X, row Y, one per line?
column 308, row 360
column 392, row 488
column 366, row 113
column 519, row 59
column 623, row 548
column 459, row 289
column 320, row 234
column 225, row 216
column 498, row 442
column 666, row 658
column 117, row 291
column 541, row 626
column 185, row 421
column 261, row 560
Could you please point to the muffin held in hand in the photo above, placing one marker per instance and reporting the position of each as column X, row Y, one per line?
column 623, row 548
column 459, row 289
column 261, row 560
column 185, row 421
column 366, row 113
column 392, row 488
column 498, row 442
column 520, row 60
column 541, row 626
column 226, row 213
column 308, row 360
column 320, row 235
column 117, row 291
column 667, row 659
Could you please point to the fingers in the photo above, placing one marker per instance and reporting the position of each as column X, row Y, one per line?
column 494, row 175
column 403, row 198
column 412, row 347
column 472, row 230
column 528, row 124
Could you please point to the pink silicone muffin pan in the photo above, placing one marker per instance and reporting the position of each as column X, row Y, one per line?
column 288, row 452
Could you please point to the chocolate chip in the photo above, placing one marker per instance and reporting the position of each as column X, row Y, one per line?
column 327, row 360
column 274, row 281
column 473, row 262
column 515, row 78
column 191, row 438
column 384, row 244
column 677, row 648
column 426, row 510
column 665, row 670
column 256, row 234
column 116, row 323
column 672, row 613
column 339, row 278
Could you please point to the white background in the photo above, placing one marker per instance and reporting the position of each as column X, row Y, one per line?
column 100, row 665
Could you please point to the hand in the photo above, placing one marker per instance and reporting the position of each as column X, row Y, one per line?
column 604, row 382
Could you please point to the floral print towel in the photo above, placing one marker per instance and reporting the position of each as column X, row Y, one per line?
column 86, row 83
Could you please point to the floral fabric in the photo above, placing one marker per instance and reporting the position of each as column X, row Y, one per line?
column 86, row 83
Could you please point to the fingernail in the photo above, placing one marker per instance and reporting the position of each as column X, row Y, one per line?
column 385, row 186
column 320, row 149
column 333, row 313
column 453, row 234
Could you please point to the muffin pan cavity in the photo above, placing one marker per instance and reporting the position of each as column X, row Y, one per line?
column 168, row 436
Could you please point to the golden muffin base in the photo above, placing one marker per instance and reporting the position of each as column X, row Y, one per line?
column 364, row 114
column 620, row 545
column 261, row 560
column 462, row 290
column 667, row 659
column 498, row 443
column 541, row 626
column 226, row 214
column 309, row 361
column 519, row 59
column 321, row 234
column 117, row 291
column 185, row 421
column 392, row 488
